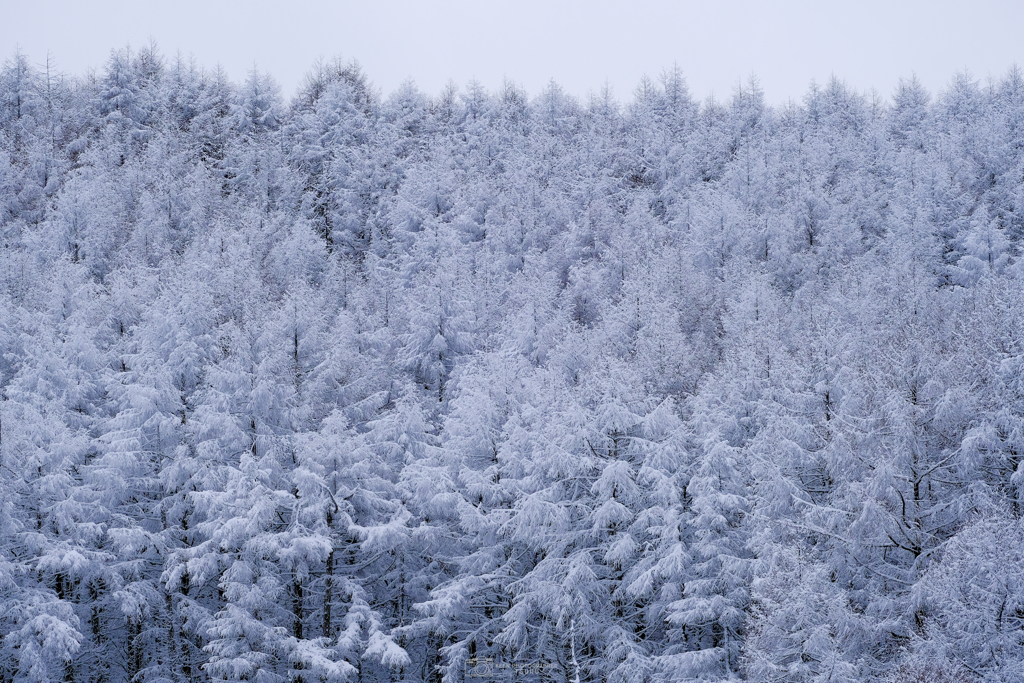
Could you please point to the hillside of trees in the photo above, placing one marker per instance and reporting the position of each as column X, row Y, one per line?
column 485, row 386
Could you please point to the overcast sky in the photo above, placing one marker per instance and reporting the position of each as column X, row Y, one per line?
column 581, row 45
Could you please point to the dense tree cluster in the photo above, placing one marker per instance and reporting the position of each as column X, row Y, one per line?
column 364, row 388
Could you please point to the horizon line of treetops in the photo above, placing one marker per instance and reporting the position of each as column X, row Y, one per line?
column 315, row 77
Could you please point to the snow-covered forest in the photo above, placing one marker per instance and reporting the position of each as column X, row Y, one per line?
column 505, row 386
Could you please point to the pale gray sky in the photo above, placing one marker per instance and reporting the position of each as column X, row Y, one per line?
column 581, row 45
